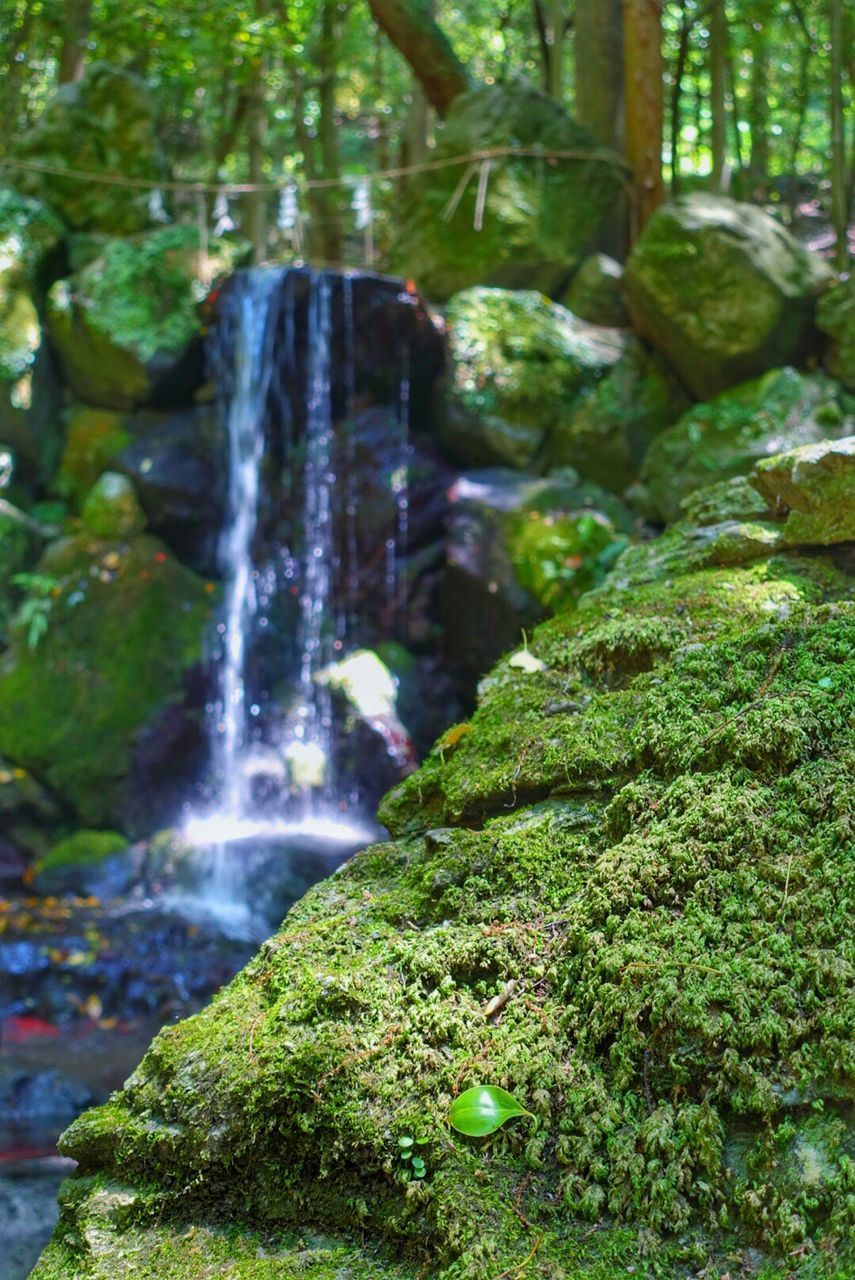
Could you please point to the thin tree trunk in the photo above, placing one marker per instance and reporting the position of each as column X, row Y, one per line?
column 839, row 210
column 542, row 29
column 643, row 71
column 330, row 197
column 598, row 59
column 558, row 23
column 75, row 26
column 686, row 24
column 718, row 93
column 421, row 41
column 758, row 165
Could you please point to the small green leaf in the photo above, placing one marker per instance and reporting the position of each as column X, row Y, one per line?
column 405, row 1142
column 417, row 1163
column 480, row 1111
column 406, row 1155
column 418, row 1173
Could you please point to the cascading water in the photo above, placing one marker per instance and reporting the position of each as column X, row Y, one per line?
column 283, row 359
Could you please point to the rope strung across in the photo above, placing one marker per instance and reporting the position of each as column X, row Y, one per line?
column 598, row 155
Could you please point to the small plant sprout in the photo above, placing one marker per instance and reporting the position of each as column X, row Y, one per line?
column 482, row 1110
column 413, row 1166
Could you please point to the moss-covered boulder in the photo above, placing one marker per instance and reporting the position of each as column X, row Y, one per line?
column 622, row 892
column 723, row 291
column 123, row 624
column 112, row 510
column 518, row 548
column 595, row 293
column 175, row 461
column 725, row 437
column 85, row 864
column 519, row 366
column 537, row 217
column 836, row 318
column 29, row 237
column 610, row 430
column 102, row 124
column 126, row 327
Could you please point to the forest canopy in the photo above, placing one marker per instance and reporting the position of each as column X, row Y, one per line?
column 752, row 98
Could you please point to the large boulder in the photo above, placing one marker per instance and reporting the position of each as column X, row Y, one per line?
column 623, row 893
column 538, row 215
column 29, row 238
column 520, row 365
column 611, row 429
column 102, row 124
column 124, row 624
column 726, row 437
column 836, row 318
column 127, row 326
column 519, row 547
column 723, row 291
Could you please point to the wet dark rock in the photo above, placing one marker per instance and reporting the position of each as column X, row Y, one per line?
column 518, row 547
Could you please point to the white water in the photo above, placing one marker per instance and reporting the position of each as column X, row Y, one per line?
column 244, row 423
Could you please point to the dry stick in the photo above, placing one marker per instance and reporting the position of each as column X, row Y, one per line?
column 521, row 1266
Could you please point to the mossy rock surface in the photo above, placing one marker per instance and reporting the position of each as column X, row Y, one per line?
column 103, row 123
column 595, row 293
column 836, row 318
column 725, row 437
column 520, row 365
column 642, row 842
column 124, row 624
column 538, row 218
column 607, row 436
column 723, row 291
column 112, row 510
column 80, row 864
column 126, row 326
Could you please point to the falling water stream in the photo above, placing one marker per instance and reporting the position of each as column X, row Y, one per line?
column 291, row 434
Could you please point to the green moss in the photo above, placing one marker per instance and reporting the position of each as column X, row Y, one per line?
column 126, row 623
column 722, row 290
column 112, row 509
column 93, row 437
column 17, row 552
column 520, row 364
column 83, row 848
column 725, row 438
column 538, row 219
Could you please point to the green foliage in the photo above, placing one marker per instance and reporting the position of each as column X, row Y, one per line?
column 34, row 613
column 483, row 1109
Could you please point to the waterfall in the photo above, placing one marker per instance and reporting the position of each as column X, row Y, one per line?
column 283, row 359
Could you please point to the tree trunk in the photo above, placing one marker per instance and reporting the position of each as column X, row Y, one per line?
column 839, row 201
column 557, row 24
column 758, row 165
column 423, row 44
column 254, row 221
column 75, row 25
column 598, row 58
column 686, row 24
column 718, row 93
column 643, row 71
column 329, row 197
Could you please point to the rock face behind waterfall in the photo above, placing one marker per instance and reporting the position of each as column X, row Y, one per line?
column 642, row 840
